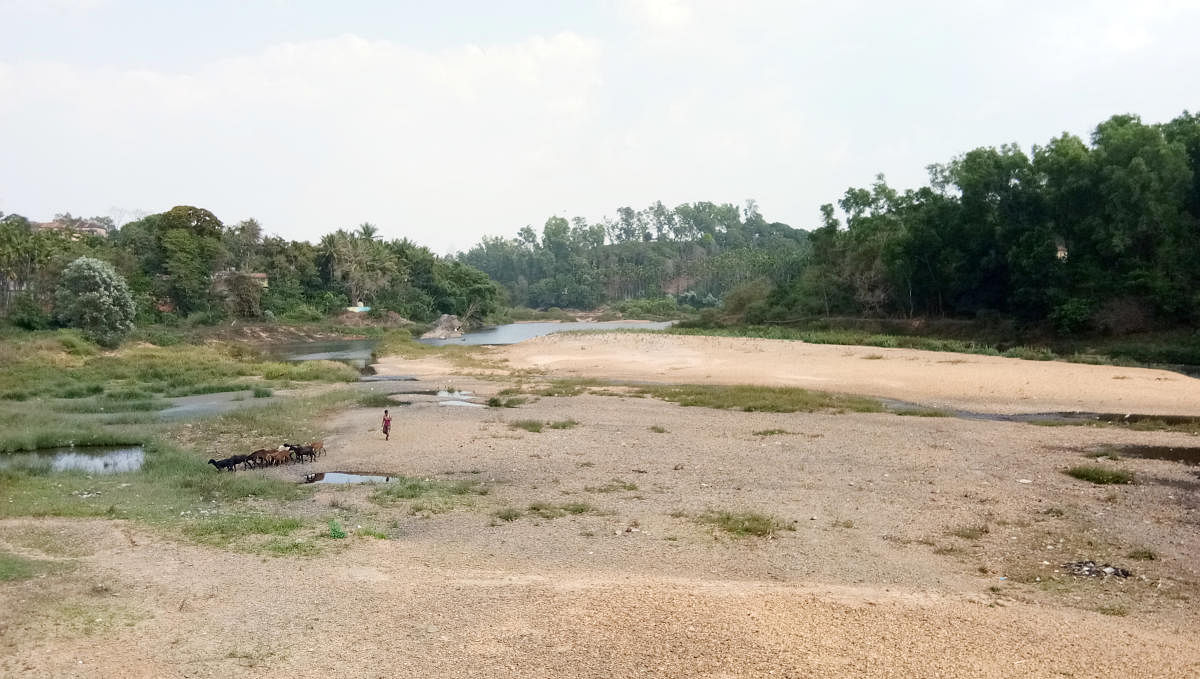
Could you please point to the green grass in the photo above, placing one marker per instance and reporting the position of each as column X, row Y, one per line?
column 658, row 429
column 336, row 531
column 409, row 488
column 225, row 530
column 771, row 432
column 13, row 567
column 106, row 405
column 1113, row 609
column 760, row 399
column 374, row 400
column 262, row 392
column 371, row 533
column 744, row 523
column 562, row 424
column 1100, row 475
column 533, row 426
column 508, row 514
column 506, row 401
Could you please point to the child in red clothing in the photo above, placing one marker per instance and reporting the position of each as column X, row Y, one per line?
column 387, row 426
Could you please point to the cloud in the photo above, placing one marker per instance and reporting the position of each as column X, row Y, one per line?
column 317, row 134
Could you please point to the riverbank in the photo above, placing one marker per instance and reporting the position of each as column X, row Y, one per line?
column 988, row 384
column 594, row 530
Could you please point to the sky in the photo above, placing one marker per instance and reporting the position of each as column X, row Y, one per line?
column 444, row 122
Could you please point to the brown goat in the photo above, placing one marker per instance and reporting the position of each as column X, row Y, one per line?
column 259, row 457
column 279, row 456
column 318, row 447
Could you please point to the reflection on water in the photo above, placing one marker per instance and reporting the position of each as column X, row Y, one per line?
column 519, row 332
column 90, row 459
column 352, row 352
column 343, row 477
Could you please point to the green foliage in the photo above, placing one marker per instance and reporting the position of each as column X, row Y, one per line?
column 760, row 399
column 1100, row 475
column 405, row 488
column 335, row 530
column 744, row 523
column 533, row 426
column 25, row 312
column 93, row 297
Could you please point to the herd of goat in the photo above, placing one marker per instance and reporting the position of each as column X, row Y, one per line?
column 266, row 457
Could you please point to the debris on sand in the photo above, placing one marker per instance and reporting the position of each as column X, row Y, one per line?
column 1091, row 570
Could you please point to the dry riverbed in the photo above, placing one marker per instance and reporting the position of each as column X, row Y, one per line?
column 902, row 546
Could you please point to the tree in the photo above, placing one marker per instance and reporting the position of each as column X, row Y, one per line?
column 93, row 297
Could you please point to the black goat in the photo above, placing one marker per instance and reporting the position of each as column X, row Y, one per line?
column 226, row 463
column 301, row 452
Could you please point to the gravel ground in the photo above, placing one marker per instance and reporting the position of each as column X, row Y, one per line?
column 907, row 546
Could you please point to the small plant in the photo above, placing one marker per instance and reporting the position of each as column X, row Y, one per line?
column 743, row 524
column 262, row 392
column 844, row 523
column 335, row 530
column 562, row 424
column 533, row 426
column 1143, row 554
column 1100, row 475
column 1113, row 609
column 771, row 432
column 873, row 357
column 1056, row 512
column 658, row 429
column 577, row 508
column 371, row 533
column 970, row 532
column 505, row 401
column 545, row 510
column 612, row 487
column 507, row 514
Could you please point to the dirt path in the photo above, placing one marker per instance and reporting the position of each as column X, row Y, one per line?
column 966, row 381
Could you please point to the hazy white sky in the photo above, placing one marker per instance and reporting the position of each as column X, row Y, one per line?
column 442, row 122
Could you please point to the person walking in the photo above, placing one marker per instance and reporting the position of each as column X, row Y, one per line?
column 387, row 426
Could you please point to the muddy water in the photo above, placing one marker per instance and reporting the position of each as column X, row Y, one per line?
column 357, row 353
column 89, row 459
column 1186, row 454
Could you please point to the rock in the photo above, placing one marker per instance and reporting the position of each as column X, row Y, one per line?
column 1092, row 570
column 447, row 326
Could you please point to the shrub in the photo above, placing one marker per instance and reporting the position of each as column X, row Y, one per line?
column 1100, row 475
column 93, row 297
column 25, row 312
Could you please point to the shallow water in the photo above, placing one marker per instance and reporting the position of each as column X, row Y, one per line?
column 89, row 459
column 512, row 333
column 357, row 353
column 1185, row 454
column 345, row 477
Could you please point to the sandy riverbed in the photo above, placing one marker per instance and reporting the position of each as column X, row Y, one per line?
column 876, row 571
column 966, row 381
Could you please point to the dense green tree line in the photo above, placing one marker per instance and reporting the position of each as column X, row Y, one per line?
column 185, row 263
column 1074, row 236
column 698, row 251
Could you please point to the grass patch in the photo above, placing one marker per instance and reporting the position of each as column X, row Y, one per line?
column 406, row 488
column 224, row 530
column 1100, row 475
column 751, row 398
column 612, row 487
column 371, row 533
column 658, row 429
column 506, row 401
column 1143, row 554
column 1113, row 609
column 771, row 432
column 562, row 424
column 744, row 524
column 13, row 567
column 262, row 392
column 1104, row 454
column 970, row 532
column 373, row 400
column 508, row 514
column 533, row 426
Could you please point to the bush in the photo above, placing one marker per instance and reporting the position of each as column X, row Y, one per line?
column 25, row 312
column 1072, row 316
column 93, row 297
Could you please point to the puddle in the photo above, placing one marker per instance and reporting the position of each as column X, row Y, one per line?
column 346, row 477
column 460, row 395
column 458, row 403
column 356, row 353
column 89, row 459
column 1184, row 454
